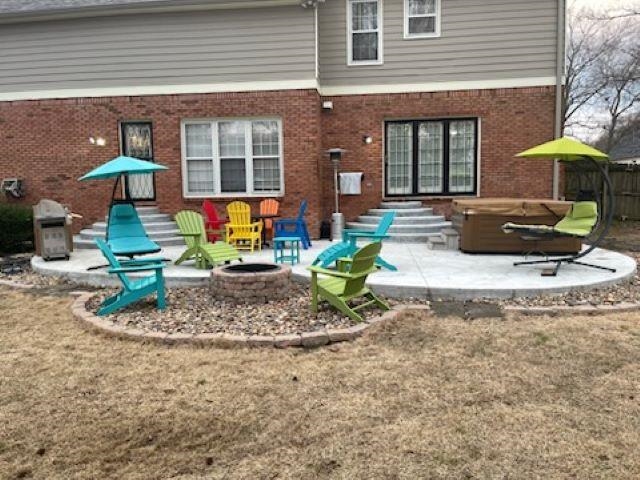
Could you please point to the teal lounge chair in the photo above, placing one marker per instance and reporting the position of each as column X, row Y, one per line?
column 349, row 245
column 132, row 289
column 126, row 235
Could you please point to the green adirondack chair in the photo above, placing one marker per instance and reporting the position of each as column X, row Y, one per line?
column 132, row 289
column 342, row 287
column 191, row 225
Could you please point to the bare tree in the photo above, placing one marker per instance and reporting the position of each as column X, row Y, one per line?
column 586, row 45
column 602, row 86
column 620, row 96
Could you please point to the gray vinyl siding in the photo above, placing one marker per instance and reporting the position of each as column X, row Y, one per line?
column 480, row 40
column 213, row 46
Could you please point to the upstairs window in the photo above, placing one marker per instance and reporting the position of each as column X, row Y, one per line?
column 421, row 18
column 364, row 40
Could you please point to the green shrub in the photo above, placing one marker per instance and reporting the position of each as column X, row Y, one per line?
column 16, row 228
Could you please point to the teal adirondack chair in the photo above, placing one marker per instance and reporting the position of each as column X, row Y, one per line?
column 132, row 289
column 191, row 225
column 342, row 287
column 349, row 245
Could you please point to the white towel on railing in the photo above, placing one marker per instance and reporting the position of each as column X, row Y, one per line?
column 350, row 183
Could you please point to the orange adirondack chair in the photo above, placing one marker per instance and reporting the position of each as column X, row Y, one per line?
column 242, row 233
column 269, row 207
column 213, row 224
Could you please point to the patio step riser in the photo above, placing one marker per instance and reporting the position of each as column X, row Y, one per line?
column 408, row 212
column 400, row 205
column 154, row 217
column 147, row 210
column 83, row 244
column 433, row 228
column 373, row 220
column 91, row 234
column 410, row 238
column 149, row 227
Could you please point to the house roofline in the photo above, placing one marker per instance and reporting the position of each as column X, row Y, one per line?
column 302, row 84
column 158, row 6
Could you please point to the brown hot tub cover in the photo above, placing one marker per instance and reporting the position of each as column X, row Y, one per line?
column 479, row 222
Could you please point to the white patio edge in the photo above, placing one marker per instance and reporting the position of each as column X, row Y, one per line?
column 422, row 273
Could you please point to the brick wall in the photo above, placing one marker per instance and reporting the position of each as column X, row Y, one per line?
column 511, row 120
column 46, row 142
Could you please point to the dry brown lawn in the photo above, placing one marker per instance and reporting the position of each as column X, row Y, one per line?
column 422, row 398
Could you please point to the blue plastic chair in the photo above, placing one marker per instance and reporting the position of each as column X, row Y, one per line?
column 126, row 235
column 132, row 290
column 294, row 227
column 349, row 245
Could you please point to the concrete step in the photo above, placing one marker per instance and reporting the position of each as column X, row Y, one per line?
column 437, row 243
column 152, row 217
column 409, row 238
column 149, row 227
column 414, row 228
column 84, row 244
column 400, row 205
column 90, row 234
column 406, row 212
column 373, row 220
column 149, row 210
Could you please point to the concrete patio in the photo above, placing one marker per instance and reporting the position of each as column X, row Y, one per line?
column 421, row 272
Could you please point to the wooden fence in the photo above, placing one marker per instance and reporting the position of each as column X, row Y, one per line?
column 626, row 186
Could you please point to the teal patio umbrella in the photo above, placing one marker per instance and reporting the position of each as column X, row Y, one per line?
column 120, row 166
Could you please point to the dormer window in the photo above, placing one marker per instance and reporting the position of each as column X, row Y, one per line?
column 421, row 18
column 364, row 21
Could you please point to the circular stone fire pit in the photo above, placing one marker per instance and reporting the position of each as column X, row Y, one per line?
column 252, row 283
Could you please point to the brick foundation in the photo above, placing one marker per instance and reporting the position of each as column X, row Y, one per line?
column 46, row 143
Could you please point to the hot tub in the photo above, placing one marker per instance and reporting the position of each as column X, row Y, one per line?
column 478, row 222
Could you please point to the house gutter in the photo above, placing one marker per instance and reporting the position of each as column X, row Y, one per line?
column 560, row 54
column 159, row 6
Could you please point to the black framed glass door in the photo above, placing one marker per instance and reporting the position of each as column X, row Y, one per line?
column 137, row 142
column 431, row 157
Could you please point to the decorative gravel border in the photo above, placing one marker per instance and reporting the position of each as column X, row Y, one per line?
column 9, row 283
column 307, row 339
column 557, row 310
column 226, row 340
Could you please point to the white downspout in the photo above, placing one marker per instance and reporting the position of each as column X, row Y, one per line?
column 560, row 53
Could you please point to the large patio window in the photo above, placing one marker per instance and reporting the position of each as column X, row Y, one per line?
column 232, row 157
column 364, row 36
column 431, row 157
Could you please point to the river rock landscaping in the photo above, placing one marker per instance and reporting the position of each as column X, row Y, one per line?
column 195, row 311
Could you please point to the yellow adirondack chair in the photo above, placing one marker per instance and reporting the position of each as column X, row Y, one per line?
column 242, row 233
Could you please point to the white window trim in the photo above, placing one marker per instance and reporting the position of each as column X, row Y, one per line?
column 380, row 60
column 413, row 36
column 216, row 158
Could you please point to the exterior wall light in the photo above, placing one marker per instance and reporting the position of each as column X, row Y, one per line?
column 97, row 141
column 367, row 139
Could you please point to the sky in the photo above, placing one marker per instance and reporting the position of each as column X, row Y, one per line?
column 604, row 5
